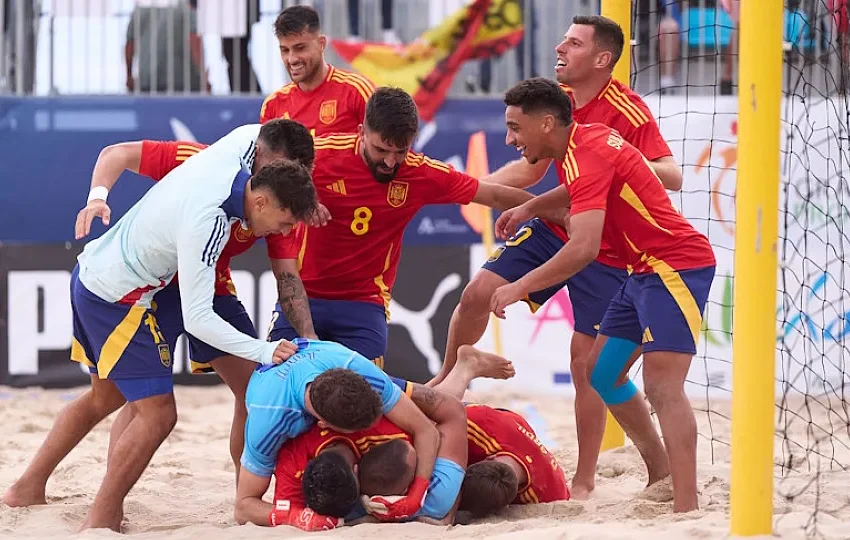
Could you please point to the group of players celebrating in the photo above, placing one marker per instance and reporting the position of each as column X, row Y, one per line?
column 329, row 180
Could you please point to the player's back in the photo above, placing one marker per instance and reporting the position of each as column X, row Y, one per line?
column 492, row 431
column 382, row 431
column 621, row 108
column 138, row 254
column 337, row 105
column 641, row 223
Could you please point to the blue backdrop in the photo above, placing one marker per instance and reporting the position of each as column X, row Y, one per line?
column 48, row 147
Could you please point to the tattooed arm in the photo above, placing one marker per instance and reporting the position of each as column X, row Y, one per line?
column 293, row 297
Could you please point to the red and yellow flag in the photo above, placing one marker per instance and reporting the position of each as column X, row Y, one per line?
column 427, row 67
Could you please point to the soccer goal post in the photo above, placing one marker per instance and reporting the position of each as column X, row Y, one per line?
column 756, row 237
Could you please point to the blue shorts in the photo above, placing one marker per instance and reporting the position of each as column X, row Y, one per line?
column 661, row 311
column 406, row 386
column 533, row 245
column 360, row 326
column 169, row 312
column 591, row 290
column 120, row 342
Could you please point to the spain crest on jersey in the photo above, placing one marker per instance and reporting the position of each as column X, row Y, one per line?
column 242, row 234
column 327, row 111
column 397, row 193
column 164, row 354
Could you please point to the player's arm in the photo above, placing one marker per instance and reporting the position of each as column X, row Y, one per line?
column 200, row 239
column 250, row 506
column 292, row 297
column 668, row 171
column 553, row 205
column 519, row 173
column 112, row 161
column 449, row 414
column 283, row 253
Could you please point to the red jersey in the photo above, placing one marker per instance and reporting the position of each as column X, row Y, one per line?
column 495, row 432
column 293, row 458
column 161, row 157
column 337, row 105
column 383, row 431
column 356, row 255
column 602, row 171
column 619, row 107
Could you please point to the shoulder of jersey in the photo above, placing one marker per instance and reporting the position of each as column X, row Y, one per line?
column 355, row 81
column 628, row 103
column 334, row 142
column 415, row 159
column 282, row 91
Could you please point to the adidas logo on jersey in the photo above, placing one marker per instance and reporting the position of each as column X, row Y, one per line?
column 337, row 187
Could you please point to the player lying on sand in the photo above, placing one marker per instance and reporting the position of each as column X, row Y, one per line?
column 327, row 383
column 317, row 481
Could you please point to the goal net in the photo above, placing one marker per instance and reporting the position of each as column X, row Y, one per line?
column 684, row 63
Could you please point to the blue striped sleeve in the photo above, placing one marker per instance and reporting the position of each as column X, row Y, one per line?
column 266, row 430
column 213, row 247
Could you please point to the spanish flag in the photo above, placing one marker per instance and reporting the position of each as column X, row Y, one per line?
column 426, row 67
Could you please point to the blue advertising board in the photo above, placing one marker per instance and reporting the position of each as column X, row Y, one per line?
column 48, row 147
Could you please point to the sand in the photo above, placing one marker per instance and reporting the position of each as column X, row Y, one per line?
column 187, row 492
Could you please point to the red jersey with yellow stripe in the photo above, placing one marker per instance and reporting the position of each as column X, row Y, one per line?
column 337, row 105
column 602, row 171
column 383, row 431
column 494, row 432
column 161, row 157
column 355, row 256
column 293, row 458
column 619, row 107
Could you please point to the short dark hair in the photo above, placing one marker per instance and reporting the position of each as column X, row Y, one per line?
column 384, row 467
column 392, row 113
column 538, row 95
column 488, row 486
column 290, row 139
column 329, row 485
column 344, row 399
column 295, row 20
column 606, row 33
column 291, row 184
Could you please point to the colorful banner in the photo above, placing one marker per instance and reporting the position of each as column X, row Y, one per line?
column 427, row 67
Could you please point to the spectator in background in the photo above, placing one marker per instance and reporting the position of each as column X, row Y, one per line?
column 23, row 16
column 163, row 36
column 727, row 58
column 232, row 20
column 389, row 34
column 669, row 37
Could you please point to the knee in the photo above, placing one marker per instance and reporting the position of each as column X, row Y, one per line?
column 159, row 412
column 106, row 401
column 660, row 392
column 606, row 376
column 475, row 299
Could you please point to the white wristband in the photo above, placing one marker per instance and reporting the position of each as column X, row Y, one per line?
column 98, row 192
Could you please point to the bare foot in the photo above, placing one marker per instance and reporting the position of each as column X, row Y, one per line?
column 580, row 492
column 24, row 494
column 483, row 364
column 112, row 524
column 660, row 491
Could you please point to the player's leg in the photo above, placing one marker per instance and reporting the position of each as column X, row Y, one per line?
column 155, row 418
column 670, row 305
column 234, row 371
column 135, row 357
column 72, row 423
column 168, row 310
column 612, row 355
column 532, row 245
column 472, row 364
column 591, row 291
